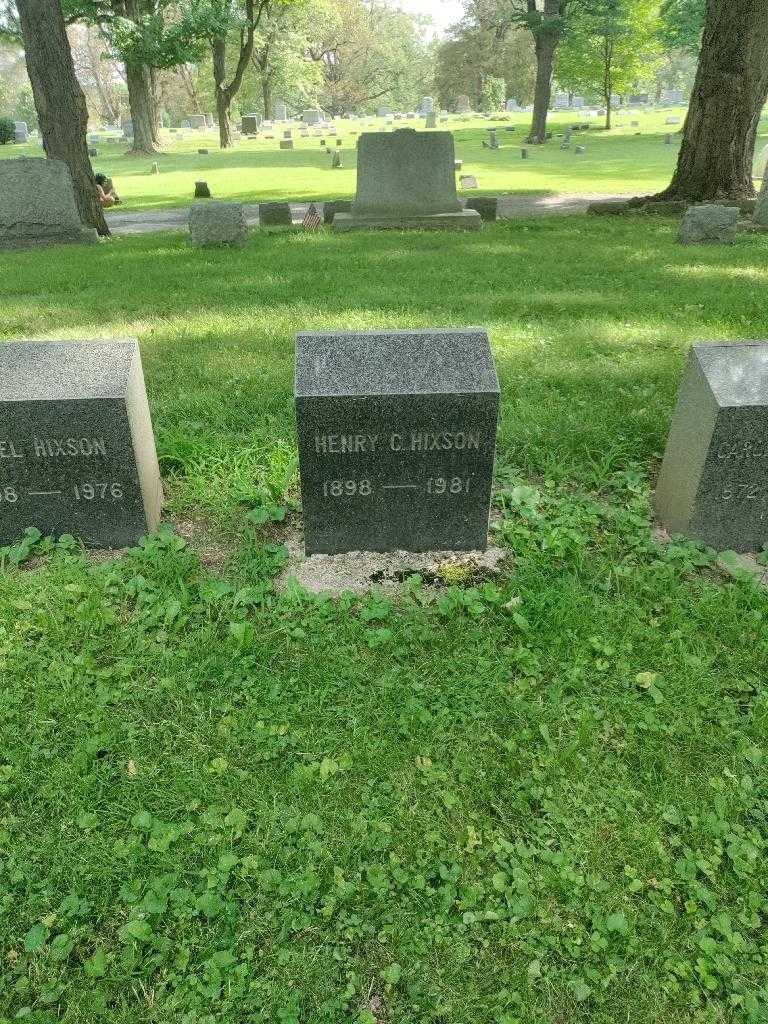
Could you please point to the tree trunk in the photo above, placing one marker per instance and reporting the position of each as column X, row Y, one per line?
column 266, row 96
column 715, row 159
column 154, row 89
column 140, row 101
column 546, row 44
column 223, row 100
column 59, row 101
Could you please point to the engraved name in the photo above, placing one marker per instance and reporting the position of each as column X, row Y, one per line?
column 742, row 450
column 412, row 441
column 53, row 447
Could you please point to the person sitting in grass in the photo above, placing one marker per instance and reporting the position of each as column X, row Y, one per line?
column 106, row 191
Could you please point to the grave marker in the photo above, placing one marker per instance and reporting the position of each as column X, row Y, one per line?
column 77, row 453
column 38, row 203
column 713, row 484
column 397, row 434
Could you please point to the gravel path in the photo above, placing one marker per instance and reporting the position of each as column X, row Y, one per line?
column 511, row 205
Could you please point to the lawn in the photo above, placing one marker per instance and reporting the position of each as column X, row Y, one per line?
column 624, row 160
column 530, row 800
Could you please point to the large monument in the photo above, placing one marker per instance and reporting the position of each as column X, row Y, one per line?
column 406, row 179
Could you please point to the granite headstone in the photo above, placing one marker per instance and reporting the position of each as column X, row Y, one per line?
column 77, row 453
column 397, row 434
column 713, row 484
column 275, row 214
column 212, row 224
column 38, row 204
column 406, row 179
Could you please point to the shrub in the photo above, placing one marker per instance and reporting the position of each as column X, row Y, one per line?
column 7, row 130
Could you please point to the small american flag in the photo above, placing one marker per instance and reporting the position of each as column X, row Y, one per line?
column 312, row 219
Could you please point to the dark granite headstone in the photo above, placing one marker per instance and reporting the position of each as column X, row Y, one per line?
column 397, row 434
column 202, row 191
column 275, row 214
column 77, row 453
column 713, row 484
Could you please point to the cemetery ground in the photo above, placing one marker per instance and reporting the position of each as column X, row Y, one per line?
column 536, row 797
column 620, row 161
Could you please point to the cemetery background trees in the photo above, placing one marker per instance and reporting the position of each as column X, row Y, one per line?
column 59, row 100
column 715, row 159
column 280, row 66
column 611, row 46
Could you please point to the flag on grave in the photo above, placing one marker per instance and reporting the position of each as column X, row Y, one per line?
column 312, row 219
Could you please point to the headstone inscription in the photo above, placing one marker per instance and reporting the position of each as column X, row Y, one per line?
column 397, row 434
column 77, row 453
column 38, row 204
column 406, row 179
column 713, row 484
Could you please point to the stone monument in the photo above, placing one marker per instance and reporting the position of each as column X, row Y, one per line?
column 77, row 453
column 38, row 204
column 250, row 124
column 405, row 179
column 212, row 224
column 281, row 112
column 709, row 223
column 713, row 484
column 427, row 105
column 397, row 434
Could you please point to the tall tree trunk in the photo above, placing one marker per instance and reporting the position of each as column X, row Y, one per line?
column 59, row 101
column 545, row 44
column 715, row 159
column 223, row 101
column 140, row 101
column 266, row 96
column 547, row 27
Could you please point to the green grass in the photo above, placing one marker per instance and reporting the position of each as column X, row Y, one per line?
column 541, row 799
column 619, row 161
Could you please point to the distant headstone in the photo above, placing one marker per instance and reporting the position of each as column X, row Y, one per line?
column 561, row 101
column 287, row 133
column 201, row 190
column 397, row 434
column 384, row 112
column 468, row 181
column 512, row 106
column 155, row 169
column 20, row 132
column 323, row 143
column 77, row 451
column 673, row 120
column 668, row 139
column 524, row 154
column 336, row 159
column 250, row 124
column 203, row 152
column 330, row 209
column 580, row 150
column 713, row 485
column 406, row 179
column 463, row 105
column 38, row 204
column 709, row 223
column 92, row 151
column 209, row 121
column 457, row 165
column 275, row 215
column 212, row 224
column 281, row 112
column 286, row 143
column 639, row 99
column 431, row 120
column 486, row 206
column 672, row 98
column 577, row 102
column 427, row 105
column 197, row 120
column 126, row 125
column 312, row 117
column 339, row 142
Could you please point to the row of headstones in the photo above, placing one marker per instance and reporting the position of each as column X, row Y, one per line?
column 396, row 436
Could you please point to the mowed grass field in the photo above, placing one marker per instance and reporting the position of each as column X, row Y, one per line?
column 625, row 160
column 536, row 798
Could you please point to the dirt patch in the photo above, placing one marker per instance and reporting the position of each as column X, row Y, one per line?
column 358, row 572
column 211, row 550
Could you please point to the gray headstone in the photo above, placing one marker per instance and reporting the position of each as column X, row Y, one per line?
column 218, row 224
column 77, row 453
column 431, row 120
column 760, row 215
column 197, row 120
column 281, row 112
column 486, row 206
column 713, row 485
column 250, row 124
column 427, row 104
column 21, row 131
column 384, row 111
column 286, row 143
column 406, row 179
column 673, row 120
column 312, row 117
column 272, row 214
column 334, row 206
column 463, row 105
column 397, row 434
column 709, row 223
column 38, row 203
column 468, row 181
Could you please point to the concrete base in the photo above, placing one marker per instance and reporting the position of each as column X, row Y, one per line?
column 463, row 220
column 77, row 236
